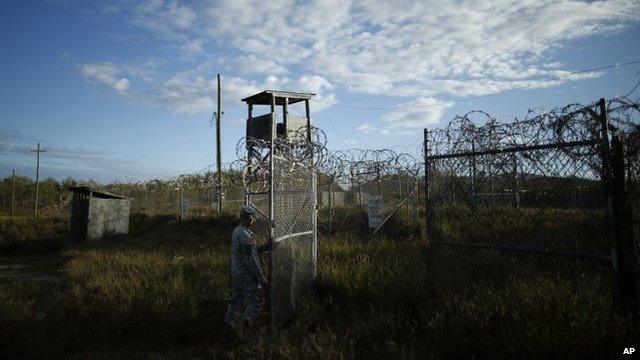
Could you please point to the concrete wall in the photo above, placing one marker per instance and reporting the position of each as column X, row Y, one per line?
column 96, row 219
column 108, row 218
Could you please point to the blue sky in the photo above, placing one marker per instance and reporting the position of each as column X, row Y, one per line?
column 125, row 89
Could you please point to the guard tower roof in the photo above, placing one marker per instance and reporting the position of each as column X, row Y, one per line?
column 264, row 98
column 92, row 192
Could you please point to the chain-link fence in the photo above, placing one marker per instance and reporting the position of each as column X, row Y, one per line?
column 526, row 200
column 370, row 192
column 293, row 255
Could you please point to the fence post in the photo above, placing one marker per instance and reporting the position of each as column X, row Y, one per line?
column 493, row 196
column 623, row 225
column 428, row 214
column 607, row 185
column 473, row 174
column 516, row 185
column 330, row 209
column 415, row 207
column 13, row 192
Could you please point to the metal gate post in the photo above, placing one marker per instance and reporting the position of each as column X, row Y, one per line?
column 623, row 230
column 271, row 203
column 607, row 185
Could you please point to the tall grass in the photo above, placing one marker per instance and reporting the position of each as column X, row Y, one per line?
column 163, row 294
column 24, row 234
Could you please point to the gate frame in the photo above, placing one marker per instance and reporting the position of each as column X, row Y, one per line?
column 615, row 234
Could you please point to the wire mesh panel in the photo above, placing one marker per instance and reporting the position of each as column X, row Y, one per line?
column 293, row 265
column 518, row 202
column 627, row 127
column 261, row 227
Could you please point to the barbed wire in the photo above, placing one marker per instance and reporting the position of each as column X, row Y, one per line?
column 475, row 131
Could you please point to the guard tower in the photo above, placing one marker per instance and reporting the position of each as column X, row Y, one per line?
column 260, row 127
column 285, row 196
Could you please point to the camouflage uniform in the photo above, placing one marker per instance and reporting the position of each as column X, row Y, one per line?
column 246, row 273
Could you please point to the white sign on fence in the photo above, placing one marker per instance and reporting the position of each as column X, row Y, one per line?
column 184, row 208
column 375, row 211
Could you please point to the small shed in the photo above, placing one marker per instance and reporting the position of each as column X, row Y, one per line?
column 98, row 214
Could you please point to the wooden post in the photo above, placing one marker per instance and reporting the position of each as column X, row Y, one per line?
column 427, row 199
column 493, row 195
column 219, row 149
column 330, row 209
column 285, row 115
column 13, row 192
column 308, row 114
column 249, row 148
column 415, row 206
column 37, row 151
column 516, row 186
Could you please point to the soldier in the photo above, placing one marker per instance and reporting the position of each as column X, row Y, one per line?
column 246, row 273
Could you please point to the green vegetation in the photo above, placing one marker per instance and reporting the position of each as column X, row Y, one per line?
column 163, row 294
column 24, row 234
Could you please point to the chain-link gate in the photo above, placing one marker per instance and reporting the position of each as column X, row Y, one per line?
column 293, row 255
column 291, row 264
column 520, row 201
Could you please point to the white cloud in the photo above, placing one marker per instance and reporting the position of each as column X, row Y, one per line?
column 181, row 16
column 254, row 65
column 167, row 18
column 366, row 128
column 105, row 73
column 193, row 46
column 415, row 114
column 397, row 48
column 187, row 94
column 412, row 48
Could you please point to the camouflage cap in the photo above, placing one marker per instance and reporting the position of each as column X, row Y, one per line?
column 247, row 211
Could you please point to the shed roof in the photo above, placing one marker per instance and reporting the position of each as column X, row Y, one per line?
column 264, row 98
column 86, row 190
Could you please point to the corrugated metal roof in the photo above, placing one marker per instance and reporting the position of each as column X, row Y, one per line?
column 86, row 190
column 264, row 98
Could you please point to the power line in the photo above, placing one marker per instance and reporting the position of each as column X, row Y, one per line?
column 635, row 87
column 607, row 67
column 332, row 127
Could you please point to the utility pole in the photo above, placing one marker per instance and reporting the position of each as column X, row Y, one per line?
column 13, row 192
column 37, row 151
column 219, row 150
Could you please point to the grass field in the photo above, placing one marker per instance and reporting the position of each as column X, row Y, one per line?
column 163, row 294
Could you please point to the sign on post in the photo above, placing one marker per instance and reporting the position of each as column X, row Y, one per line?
column 184, row 207
column 375, row 211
